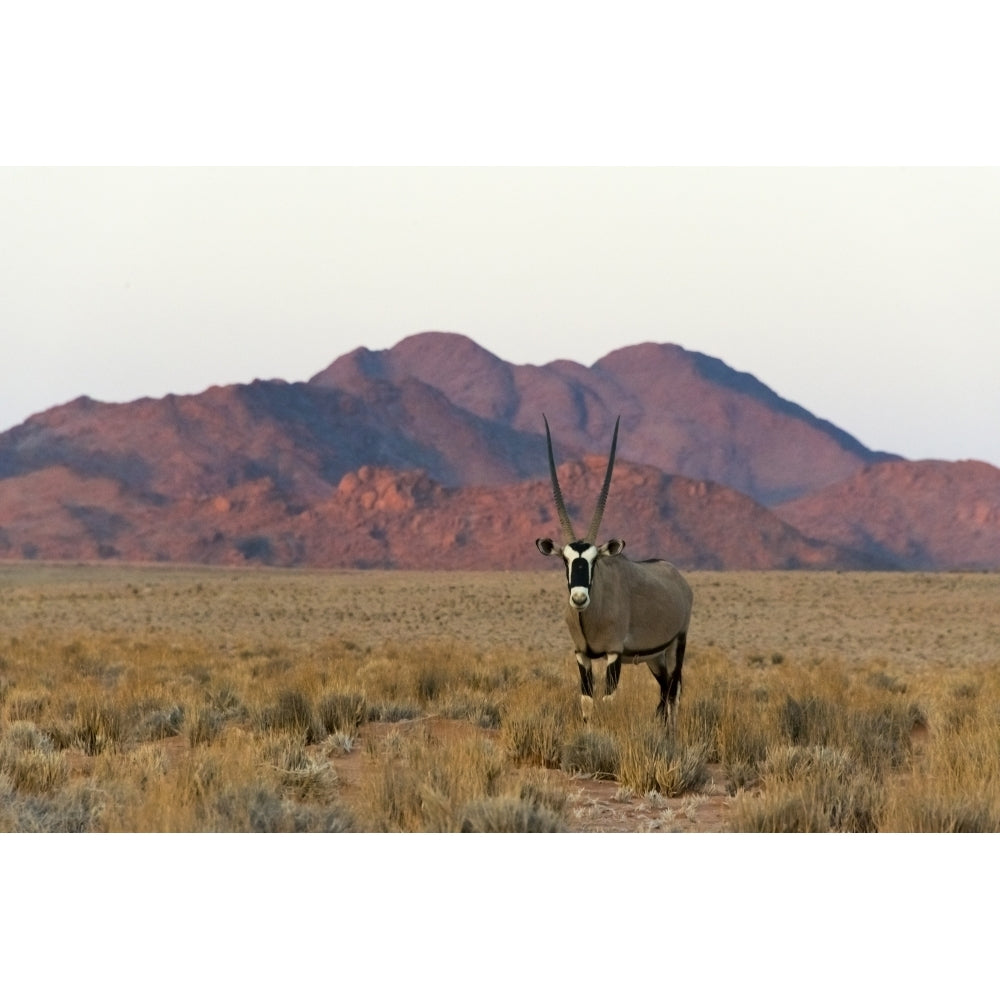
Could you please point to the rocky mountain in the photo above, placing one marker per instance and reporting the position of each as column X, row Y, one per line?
column 432, row 454
column 913, row 515
column 682, row 411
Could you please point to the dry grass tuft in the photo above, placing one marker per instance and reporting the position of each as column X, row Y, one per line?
column 342, row 711
column 510, row 814
column 593, row 753
column 99, row 727
column 419, row 782
column 814, row 789
column 534, row 731
column 651, row 761
column 29, row 760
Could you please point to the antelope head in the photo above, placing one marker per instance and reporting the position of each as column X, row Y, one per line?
column 580, row 554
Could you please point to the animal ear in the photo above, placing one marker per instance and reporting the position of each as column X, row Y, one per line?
column 546, row 546
column 612, row 547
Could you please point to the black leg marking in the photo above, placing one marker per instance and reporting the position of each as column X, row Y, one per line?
column 674, row 691
column 669, row 681
column 586, row 679
column 658, row 669
column 612, row 676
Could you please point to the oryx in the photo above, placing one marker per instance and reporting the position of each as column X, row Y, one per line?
column 619, row 609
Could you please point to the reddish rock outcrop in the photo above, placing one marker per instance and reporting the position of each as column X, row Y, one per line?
column 917, row 515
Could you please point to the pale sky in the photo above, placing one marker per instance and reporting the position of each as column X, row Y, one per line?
column 870, row 296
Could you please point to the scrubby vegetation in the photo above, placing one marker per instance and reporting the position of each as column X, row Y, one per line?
column 107, row 727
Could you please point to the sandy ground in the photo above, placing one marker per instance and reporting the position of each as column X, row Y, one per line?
column 914, row 620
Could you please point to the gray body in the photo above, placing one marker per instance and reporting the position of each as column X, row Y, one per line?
column 636, row 609
column 620, row 610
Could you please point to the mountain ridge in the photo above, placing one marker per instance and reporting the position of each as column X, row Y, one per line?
column 714, row 469
column 672, row 416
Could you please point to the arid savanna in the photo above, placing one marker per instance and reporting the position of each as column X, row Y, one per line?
column 137, row 698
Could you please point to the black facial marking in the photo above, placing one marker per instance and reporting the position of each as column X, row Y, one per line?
column 579, row 568
column 579, row 573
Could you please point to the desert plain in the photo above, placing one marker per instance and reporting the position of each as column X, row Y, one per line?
column 161, row 698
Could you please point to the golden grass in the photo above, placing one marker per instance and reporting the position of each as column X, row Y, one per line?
column 165, row 699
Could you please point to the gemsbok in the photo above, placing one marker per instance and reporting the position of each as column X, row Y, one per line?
column 618, row 609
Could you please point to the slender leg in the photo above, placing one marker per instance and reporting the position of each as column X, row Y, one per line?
column 669, row 681
column 674, row 690
column 658, row 668
column 612, row 675
column 586, row 685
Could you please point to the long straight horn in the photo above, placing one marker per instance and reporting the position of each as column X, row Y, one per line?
column 603, row 498
column 569, row 534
